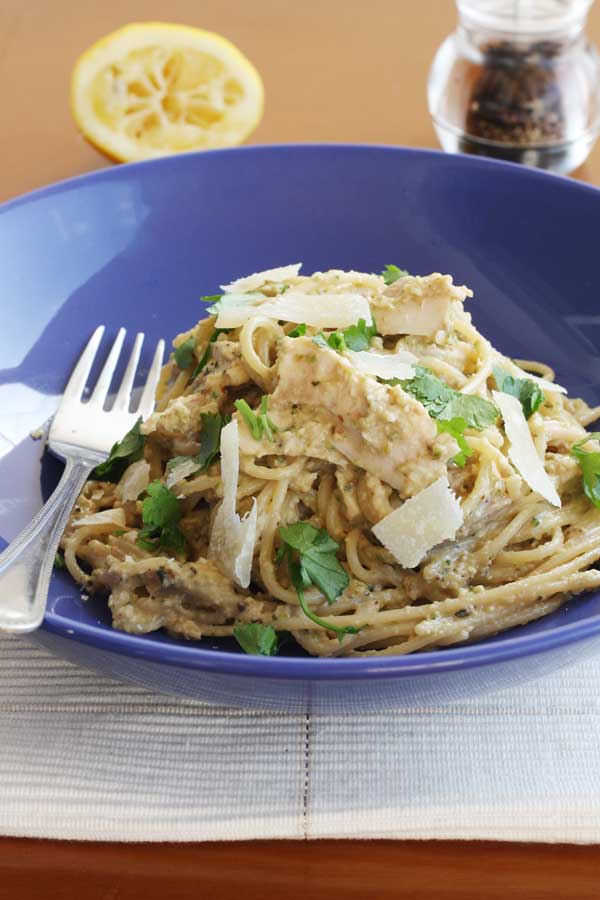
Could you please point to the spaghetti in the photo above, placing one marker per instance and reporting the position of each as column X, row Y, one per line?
column 326, row 444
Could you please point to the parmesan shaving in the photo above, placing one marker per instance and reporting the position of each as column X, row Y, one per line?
column 384, row 365
column 425, row 520
column 522, row 452
column 232, row 539
column 134, row 481
column 107, row 517
column 315, row 310
column 543, row 382
column 257, row 279
column 182, row 470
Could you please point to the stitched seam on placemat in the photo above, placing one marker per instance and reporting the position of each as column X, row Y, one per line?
column 306, row 780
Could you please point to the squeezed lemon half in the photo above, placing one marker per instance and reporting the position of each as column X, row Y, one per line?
column 152, row 88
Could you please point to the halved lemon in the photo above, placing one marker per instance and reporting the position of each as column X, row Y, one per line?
column 152, row 88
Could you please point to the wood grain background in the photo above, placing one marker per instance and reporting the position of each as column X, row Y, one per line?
column 334, row 70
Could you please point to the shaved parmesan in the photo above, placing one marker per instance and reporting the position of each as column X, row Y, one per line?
column 105, row 518
column 384, row 365
column 252, row 282
column 230, row 303
column 182, row 470
column 522, row 452
column 543, row 382
column 135, row 479
column 425, row 520
column 232, row 539
column 316, row 310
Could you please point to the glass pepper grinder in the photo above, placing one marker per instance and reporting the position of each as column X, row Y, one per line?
column 518, row 80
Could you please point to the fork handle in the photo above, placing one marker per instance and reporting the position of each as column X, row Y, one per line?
column 26, row 564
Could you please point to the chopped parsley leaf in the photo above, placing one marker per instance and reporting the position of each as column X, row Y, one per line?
column 160, row 517
column 392, row 273
column 589, row 461
column 528, row 393
column 298, row 331
column 456, row 428
column 334, row 340
column 257, row 639
column 454, row 412
column 59, row 561
column 443, row 402
column 358, row 337
column 210, row 443
column 207, row 353
column 184, row 354
column 213, row 299
column 311, row 556
column 129, row 449
column 259, row 423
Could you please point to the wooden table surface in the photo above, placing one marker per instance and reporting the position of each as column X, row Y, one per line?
column 334, row 70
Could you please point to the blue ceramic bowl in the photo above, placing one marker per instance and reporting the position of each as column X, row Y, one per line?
column 137, row 245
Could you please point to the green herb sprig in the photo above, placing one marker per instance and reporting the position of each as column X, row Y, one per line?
column 311, row 556
column 160, row 517
column 257, row 639
column 392, row 273
column 259, row 423
column 589, row 462
column 208, row 351
column 528, row 393
column 129, row 449
column 184, row 354
column 454, row 412
column 356, row 337
column 298, row 331
column 210, row 443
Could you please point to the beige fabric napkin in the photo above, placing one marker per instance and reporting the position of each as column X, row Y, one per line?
column 83, row 757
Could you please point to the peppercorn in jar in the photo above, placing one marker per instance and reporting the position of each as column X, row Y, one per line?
column 518, row 80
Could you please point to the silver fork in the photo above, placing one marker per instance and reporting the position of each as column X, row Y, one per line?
column 81, row 434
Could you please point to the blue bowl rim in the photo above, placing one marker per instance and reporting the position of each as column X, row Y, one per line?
column 312, row 668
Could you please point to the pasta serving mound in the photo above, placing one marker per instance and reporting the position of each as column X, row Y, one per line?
column 345, row 459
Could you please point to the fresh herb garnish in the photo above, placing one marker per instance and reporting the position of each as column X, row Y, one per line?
column 392, row 273
column 59, row 562
column 184, row 354
column 129, row 449
column 456, row 428
column 259, row 423
column 454, row 412
column 210, row 443
column 257, row 639
column 528, row 393
column 356, row 337
column 335, row 340
column 311, row 556
column 160, row 517
column 443, row 402
column 207, row 353
column 589, row 461
column 298, row 331
column 283, row 288
column 213, row 299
